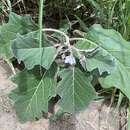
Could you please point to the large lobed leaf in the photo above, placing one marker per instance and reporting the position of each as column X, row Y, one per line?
column 75, row 90
column 26, row 49
column 119, row 49
column 100, row 59
column 8, row 31
column 33, row 93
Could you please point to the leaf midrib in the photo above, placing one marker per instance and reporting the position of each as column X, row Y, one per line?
column 35, row 92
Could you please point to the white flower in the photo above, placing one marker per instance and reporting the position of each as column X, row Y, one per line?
column 70, row 60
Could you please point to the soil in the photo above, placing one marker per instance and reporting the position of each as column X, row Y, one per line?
column 98, row 116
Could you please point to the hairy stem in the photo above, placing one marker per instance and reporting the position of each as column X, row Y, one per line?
column 9, row 5
column 40, row 22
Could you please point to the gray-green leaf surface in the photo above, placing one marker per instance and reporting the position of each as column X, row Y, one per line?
column 114, row 44
column 26, row 49
column 8, row 32
column 33, row 93
column 100, row 59
column 75, row 90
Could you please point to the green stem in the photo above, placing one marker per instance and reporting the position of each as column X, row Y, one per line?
column 41, row 5
column 112, row 13
column 120, row 99
column 40, row 22
column 9, row 4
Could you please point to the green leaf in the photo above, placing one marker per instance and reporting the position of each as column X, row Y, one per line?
column 116, row 46
column 26, row 49
column 100, row 59
column 120, row 79
column 111, row 41
column 64, row 25
column 75, row 90
column 33, row 93
column 95, row 4
column 8, row 31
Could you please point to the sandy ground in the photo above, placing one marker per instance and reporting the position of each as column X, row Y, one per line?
column 98, row 116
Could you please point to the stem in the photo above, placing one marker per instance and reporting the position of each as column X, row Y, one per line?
column 11, row 66
column 112, row 12
column 40, row 22
column 58, row 31
column 84, row 50
column 40, row 29
column 9, row 4
column 83, row 39
column 120, row 99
